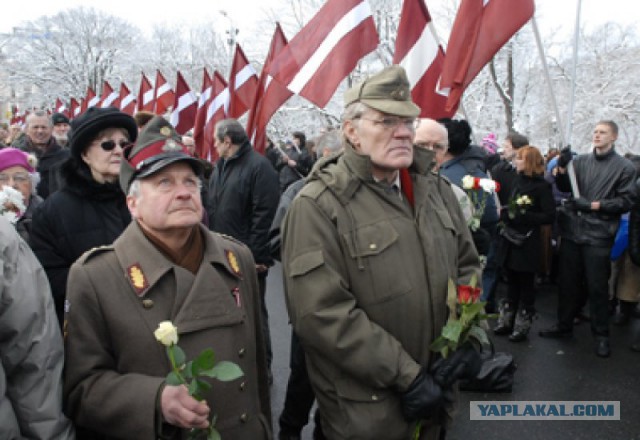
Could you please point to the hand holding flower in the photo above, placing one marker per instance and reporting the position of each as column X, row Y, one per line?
column 181, row 400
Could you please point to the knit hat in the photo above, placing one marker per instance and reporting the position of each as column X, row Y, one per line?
column 490, row 144
column 387, row 91
column 59, row 118
column 84, row 128
column 158, row 146
column 12, row 157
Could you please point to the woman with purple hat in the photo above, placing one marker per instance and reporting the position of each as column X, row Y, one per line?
column 18, row 181
column 90, row 209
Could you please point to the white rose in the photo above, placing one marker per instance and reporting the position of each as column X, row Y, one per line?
column 467, row 182
column 166, row 333
column 487, row 185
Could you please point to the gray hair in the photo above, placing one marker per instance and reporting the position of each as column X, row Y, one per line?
column 354, row 111
column 38, row 114
column 233, row 129
column 134, row 189
column 35, row 180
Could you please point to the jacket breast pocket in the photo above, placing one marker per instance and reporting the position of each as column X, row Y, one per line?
column 210, row 313
column 376, row 266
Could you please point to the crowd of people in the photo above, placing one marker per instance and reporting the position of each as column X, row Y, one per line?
column 119, row 226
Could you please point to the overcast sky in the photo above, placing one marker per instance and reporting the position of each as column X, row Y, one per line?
column 550, row 14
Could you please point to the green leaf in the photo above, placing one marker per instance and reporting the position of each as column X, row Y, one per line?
column 452, row 330
column 187, row 371
column 194, row 389
column 203, row 385
column 224, row 371
column 205, row 361
column 438, row 344
column 173, row 379
column 178, row 355
column 479, row 334
column 213, row 434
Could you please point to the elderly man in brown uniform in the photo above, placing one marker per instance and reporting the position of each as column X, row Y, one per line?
column 164, row 266
column 366, row 272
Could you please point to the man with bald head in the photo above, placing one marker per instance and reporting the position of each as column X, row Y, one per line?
column 432, row 135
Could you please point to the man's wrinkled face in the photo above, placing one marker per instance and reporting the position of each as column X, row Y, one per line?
column 168, row 200
column 386, row 139
column 432, row 136
column 39, row 130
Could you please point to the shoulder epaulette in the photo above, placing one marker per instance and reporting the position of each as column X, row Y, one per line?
column 230, row 238
column 98, row 250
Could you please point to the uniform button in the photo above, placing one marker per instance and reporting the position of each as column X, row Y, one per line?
column 147, row 303
column 373, row 246
column 242, row 386
column 244, row 417
column 241, row 352
column 374, row 397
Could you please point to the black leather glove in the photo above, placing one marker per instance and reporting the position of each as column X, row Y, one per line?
column 581, row 204
column 423, row 399
column 565, row 157
column 464, row 363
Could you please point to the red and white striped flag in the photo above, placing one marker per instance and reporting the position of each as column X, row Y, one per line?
column 270, row 95
column 163, row 94
column 216, row 111
column 480, row 29
column 418, row 51
column 243, row 84
column 109, row 96
column 185, row 106
column 326, row 50
column 201, row 114
column 90, row 100
column 127, row 100
column 60, row 107
column 74, row 108
column 146, row 101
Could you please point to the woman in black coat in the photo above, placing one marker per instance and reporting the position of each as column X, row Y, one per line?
column 90, row 209
column 522, row 261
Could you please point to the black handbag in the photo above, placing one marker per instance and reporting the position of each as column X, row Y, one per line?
column 514, row 237
column 495, row 376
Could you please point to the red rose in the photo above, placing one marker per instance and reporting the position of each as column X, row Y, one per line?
column 468, row 294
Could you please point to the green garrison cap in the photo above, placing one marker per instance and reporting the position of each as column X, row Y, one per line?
column 158, row 145
column 387, row 91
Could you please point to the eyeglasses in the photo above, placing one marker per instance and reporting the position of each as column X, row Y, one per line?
column 110, row 145
column 392, row 122
column 17, row 178
column 432, row 145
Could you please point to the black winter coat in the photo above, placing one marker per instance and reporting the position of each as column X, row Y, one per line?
column 609, row 179
column 243, row 197
column 84, row 214
column 528, row 257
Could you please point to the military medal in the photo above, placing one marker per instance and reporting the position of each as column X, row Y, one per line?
column 137, row 279
column 233, row 261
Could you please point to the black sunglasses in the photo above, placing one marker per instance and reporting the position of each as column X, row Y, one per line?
column 110, row 145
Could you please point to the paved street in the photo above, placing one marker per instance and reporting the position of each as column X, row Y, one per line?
column 547, row 370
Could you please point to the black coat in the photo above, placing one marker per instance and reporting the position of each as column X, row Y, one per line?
column 243, row 197
column 528, row 257
column 82, row 215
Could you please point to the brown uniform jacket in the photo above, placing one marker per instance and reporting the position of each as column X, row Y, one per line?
column 115, row 368
column 366, row 284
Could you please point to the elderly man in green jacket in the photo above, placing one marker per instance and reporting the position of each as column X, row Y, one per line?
column 369, row 246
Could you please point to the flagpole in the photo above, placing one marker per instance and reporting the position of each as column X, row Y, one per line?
column 547, row 76
column 572, row 99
